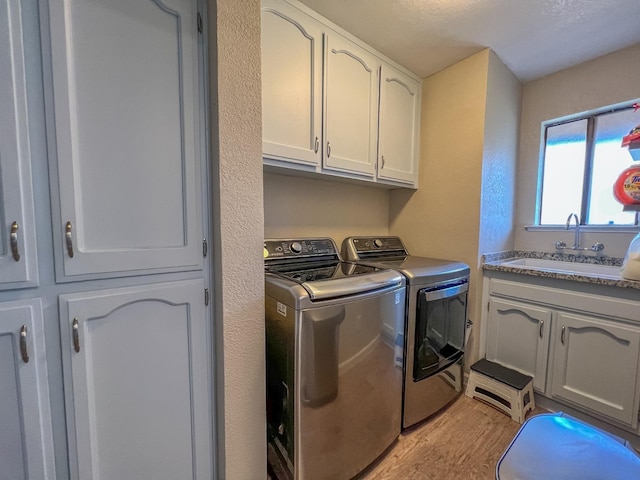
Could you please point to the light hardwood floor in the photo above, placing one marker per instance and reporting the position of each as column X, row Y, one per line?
column 463, row 442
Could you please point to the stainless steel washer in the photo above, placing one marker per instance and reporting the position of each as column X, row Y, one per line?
column 334, row 359
column 436, row 317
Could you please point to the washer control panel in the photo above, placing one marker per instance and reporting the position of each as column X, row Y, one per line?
column 292, row 248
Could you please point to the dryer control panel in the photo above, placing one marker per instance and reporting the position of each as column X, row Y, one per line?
column 359, row 248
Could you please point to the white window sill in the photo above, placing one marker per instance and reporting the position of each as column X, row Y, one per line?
column 584, row 228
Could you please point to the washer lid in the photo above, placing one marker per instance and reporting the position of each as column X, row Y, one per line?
column 324, row 280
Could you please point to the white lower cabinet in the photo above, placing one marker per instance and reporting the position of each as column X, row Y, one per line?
column 581, row 347
column 596, row 366
column 518, row 338
column 135, row 364
column 26, row 443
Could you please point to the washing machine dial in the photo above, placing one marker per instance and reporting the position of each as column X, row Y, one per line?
column 377, row 243
column 295, row 247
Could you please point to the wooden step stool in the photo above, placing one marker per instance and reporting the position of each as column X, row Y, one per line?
column 501, row 387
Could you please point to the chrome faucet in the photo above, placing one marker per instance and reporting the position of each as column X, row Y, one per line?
column 576, row 241
column 561, row 246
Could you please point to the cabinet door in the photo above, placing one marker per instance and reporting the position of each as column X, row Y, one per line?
column 596, row 366
column 125, row 97
column 26, row 444
column 291, row 84
column 399, row 126
column 17, row 228
column 351, row 107
column 518, row 337
column 136, row 382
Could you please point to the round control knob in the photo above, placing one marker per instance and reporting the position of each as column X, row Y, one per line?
column 377, row 243
column 295, row 247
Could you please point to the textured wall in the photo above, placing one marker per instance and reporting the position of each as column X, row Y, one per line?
column 304, row 207
column 601, row 82
column 498, row 196
column 500, row 149
column 238, row 228
column 464, row 206
column 442, row 218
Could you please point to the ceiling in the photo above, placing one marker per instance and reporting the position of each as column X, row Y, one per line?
column 533, row 38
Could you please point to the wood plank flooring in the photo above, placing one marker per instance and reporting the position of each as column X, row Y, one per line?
column 464, row 441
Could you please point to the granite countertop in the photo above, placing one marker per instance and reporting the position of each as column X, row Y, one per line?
column 494, row 261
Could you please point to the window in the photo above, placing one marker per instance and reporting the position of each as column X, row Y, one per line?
column 583, row 158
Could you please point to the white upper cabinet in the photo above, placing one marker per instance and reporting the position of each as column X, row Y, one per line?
column 17, row 235
column 399, row 126
column 26, row 443
column 291, row 84
column 126, row 147
column 351, row 107
column 326, row 109
column 136, row 372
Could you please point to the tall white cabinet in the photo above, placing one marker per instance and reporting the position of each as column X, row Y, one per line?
column 135, row 367
column 17, row 234
column 125, row 90
column 106, row 341
column 25, row 420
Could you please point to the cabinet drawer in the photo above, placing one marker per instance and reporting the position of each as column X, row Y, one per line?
column 567, row 299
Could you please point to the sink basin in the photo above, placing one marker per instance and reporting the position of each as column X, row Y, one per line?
column 595, row 270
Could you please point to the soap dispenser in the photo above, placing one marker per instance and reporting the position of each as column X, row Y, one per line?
column 631, row 262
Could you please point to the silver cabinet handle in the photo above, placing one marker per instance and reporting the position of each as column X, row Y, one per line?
column 382, row 158
column 13, row 240
column 328, row 149
column 23, row 344
column 316, row 145
column 562, row 335
column 69, row 239
column 541, row 327
column 76, row 335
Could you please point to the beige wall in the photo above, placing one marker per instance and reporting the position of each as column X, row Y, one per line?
column 607, row 80
column 441, row 219
column 467, row 171
column 237, row 204
column 464, row 114
column 304, row 207
column 500, row 150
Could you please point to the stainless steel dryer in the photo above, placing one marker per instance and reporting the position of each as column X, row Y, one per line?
column 334, row 364
column 436, row 317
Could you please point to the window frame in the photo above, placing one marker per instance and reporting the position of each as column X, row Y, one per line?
column 590, row 117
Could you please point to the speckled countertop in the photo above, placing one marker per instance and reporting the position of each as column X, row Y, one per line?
column 493, row 261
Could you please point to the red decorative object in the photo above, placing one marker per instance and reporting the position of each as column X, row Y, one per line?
column 626, row 189
column 632, row 137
